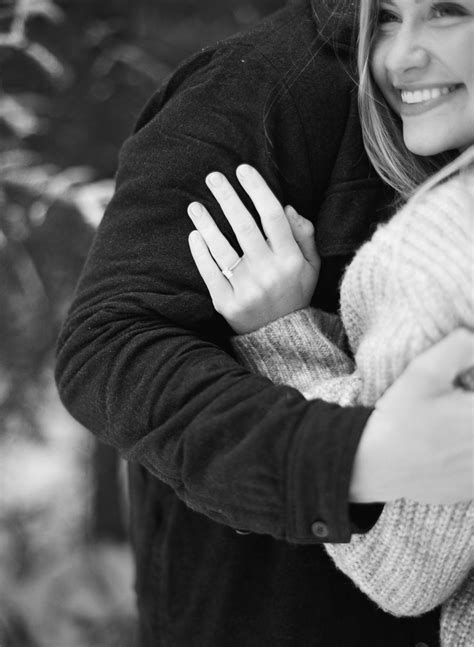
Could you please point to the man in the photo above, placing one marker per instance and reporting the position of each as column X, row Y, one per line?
column 234, row 482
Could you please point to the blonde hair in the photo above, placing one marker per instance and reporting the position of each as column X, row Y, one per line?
column 381, row 128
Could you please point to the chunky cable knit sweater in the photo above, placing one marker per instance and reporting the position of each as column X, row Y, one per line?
column 405, row 289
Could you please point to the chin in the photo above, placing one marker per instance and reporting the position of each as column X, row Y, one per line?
column 423, row 143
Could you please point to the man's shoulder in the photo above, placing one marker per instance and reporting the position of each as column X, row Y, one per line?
column 281, row 36
column 301, row 22
column 286, row 49
column 276, row 44
column 300, row 35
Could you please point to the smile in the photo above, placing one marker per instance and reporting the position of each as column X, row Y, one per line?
column 417, row 102
column 428, row 94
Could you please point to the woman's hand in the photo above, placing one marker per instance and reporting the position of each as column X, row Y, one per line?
column 275, row 276
column 419, row 441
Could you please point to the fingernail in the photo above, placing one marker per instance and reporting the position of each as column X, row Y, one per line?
column 290, row 211
column 195, row 209
column 244, row 170
column 215, row 179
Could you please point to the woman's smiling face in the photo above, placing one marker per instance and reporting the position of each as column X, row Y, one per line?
column 423, row 62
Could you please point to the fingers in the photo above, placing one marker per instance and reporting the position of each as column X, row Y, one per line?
column 244, row 226
column 446, row 360
column 274, row 221
column 219, row 288
column 303, row 233
column 222, row 251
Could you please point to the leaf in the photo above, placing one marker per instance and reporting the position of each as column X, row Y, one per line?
column 20, row 119
column 46, row 8
column 132, row 57
column 48, row 62
column 14, row 159
column 92, row 199
column 32, row 178
column 46, row 184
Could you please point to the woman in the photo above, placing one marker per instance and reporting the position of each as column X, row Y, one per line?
column 406, row 288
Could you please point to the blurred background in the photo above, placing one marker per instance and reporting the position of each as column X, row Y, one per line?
column 73, row 77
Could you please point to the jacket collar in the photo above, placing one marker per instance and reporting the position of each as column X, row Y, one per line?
column 337, row 22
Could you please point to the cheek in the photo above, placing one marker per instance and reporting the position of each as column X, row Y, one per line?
column 457, row 55
column 379, row 72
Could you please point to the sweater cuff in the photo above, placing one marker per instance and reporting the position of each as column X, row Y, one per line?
column 323, row 454
column 306, row 321
column 298, row 349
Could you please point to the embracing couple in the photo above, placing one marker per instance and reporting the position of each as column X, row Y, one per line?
column 285, row 355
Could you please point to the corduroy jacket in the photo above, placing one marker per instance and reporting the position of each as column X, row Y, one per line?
column 144, row 361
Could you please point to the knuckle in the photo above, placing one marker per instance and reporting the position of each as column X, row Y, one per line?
column 246, row 228
column 206, row 229
column 275, row 215
column 219, row 251
column 293, row 264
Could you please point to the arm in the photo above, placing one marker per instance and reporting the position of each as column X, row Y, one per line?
column 404, row 451
column 143, row 359
column 416, row 555
column 405, row 564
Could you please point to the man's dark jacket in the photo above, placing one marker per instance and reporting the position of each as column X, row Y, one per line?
column 143, row 359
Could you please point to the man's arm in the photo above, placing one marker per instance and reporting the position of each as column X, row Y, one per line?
column 395, row 562
column 142, row 360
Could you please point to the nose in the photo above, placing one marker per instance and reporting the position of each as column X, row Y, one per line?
column 407, row 53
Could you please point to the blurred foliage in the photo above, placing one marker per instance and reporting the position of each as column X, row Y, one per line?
column 73, row 76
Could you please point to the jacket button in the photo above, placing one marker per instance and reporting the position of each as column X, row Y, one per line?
column 320, row 529
column 243, row 532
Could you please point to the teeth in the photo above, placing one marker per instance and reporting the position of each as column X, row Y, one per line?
column 418, row 96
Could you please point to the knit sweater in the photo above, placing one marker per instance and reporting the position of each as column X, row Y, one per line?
column 405, row 289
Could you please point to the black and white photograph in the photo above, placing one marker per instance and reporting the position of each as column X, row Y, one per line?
column 236, row 323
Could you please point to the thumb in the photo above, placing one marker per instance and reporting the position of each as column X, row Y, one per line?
column 303, row 233
column 444, row 362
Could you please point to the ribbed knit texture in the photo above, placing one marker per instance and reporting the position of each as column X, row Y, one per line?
column 405, row 289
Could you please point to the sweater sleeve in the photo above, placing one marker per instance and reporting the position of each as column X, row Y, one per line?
column 416, row 555
column 457, row 616
column 303, row 350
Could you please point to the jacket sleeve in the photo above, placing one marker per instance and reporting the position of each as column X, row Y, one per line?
column 416, row 555
column 143, row 360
